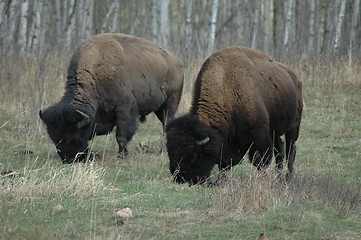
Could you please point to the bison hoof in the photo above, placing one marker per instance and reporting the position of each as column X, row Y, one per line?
column 122, row 155
column 289, row 177
column 91, row 156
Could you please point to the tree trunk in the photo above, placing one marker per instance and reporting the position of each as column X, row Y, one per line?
column 70, row 27
column 134, row 16
column 255, row 24
column 154, row 22
column 279, row 16
column 65, row 15
column 288, row 25
column 212, row 31
column 311, row 25
column 81, row 20
column 85, row 18
column 12, row 38
column 3, row 23
column 164, row 22
column 2, row 11
column 188, row 31
column 354, row 26
column 115, row 20
column 36, row 26
column 340, row 18
column 59, row 25
column 23, row 25
column 239, row 29
column 89, row 29
column 106, row 20
column 267, row 25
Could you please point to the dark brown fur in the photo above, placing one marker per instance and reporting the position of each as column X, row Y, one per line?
column 114, row 79
column 251, row 101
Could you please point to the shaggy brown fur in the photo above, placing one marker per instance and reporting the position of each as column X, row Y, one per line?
column 113, row 79
column 250, row 100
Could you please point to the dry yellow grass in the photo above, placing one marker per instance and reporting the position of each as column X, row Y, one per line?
column 31, row 186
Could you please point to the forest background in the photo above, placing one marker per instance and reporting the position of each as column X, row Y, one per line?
column 284, row 29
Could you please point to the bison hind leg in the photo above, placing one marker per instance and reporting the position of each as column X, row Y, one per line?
column 167, row 111
column 260, row 154
column 126, row 123
column 291, row 138
column 279, row 153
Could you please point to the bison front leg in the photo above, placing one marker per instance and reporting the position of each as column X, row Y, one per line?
column 126, row 123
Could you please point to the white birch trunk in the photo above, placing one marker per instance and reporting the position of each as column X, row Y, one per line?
column 311, row 24
column 154, row 23
column 212, row 31
column 164, row 22
column 44, row 21
column 239, row 19
column 88, row 19
column 288, row 24
column 85, row 18
column 36, row 26
column 81, row 17
column 23, row 24
column 2, row 11
column 340, row 18
column 11, row 38
column 115, row 20
column 106, row 20
column 267, row 25
column 134, row 15
column 188, row 31
column 59, row 25
column 65, row 15
column 70, row 27
column 3, row 24
column 255, row 24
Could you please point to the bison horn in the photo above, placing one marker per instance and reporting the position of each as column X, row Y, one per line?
column 203, row 141
column 84, row 121
column 41, row 115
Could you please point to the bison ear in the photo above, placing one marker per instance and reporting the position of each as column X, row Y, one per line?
column 85, row 119
column 203, row 141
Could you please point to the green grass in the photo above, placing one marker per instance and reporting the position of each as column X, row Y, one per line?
column 44, row 199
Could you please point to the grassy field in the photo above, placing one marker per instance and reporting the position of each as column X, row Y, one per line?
column 40, row 198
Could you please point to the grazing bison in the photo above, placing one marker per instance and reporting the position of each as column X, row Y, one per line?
column 243, row 100
column 113, row 79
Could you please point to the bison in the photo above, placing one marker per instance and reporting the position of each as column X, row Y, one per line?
column 112, row 80
column 243, row 101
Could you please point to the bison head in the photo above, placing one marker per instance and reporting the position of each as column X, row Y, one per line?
column 70, row 129
column 193, row 149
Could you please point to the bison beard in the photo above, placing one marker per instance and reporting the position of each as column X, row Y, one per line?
column 113, row 80
column 243, row 101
